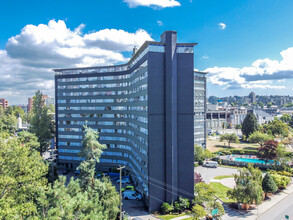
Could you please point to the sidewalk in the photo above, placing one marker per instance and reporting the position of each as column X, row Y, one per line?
column 232, row 214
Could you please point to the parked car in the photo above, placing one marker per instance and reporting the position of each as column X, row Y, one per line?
column 131, row 195
column 125, row 180
column 128, row 188
column 213, row 164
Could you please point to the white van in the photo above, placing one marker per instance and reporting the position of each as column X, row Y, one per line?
column 213, row 164
column 131, row 195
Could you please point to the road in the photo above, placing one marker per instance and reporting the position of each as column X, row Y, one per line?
column 209, row 173
column 278, row 212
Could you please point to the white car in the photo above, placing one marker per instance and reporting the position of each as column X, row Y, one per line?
column 125, row 180
column 213, row 164
column 131, row 195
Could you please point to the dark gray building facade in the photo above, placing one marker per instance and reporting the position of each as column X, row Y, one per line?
column 144, row 111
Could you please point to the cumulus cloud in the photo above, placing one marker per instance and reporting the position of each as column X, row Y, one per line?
column 260, row 75
column 28, row 58
column 152, row 3
column 222, row 26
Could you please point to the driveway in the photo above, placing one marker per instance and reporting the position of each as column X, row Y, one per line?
column 208, row 173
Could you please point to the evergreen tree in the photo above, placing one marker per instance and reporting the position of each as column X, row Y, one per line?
column 91, row 153
column 40, row 122
column 268, row 184
column 249, row 125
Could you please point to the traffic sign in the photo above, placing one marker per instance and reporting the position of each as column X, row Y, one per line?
column 214, row 211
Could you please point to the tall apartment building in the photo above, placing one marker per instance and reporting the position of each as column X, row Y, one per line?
column 144, row 112
column 4, row 103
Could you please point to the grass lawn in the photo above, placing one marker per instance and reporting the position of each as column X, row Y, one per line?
column 221, row 191
column 223, row 177
column 215, row 145
column 167, row 217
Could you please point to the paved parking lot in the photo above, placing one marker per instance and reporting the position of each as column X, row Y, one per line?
column 208, row 173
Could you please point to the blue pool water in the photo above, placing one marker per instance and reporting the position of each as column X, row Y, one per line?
column 251, row 160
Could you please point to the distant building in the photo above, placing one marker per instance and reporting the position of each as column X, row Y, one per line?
column 199, row 108
column 220, row 117
column 47, row 101
column 261, row 116
column 252, row 97
column 4, row 103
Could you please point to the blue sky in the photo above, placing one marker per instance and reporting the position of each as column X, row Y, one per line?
column 241, row 55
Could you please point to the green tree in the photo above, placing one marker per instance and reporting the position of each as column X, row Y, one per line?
column 8, row 123
column 29, row 139
column 249, row 125
column 285, row 118
column 259, row 137
column 91, row 153
column 18, row 111
column 198, row 153
column 70, row 201
column 22, row 172
column 40, row 122
column 269, row 105
column 268, row 184
column 268, row 151
column 203, row 193
column 248, row 187
column 261, row 104
column 198, row 212
column 230, row 138
column 277, row 127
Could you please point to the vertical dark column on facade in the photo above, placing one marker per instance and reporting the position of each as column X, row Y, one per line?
column 170, row 40
column 185, row 129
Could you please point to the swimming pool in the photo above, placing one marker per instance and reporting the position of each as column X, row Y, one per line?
column 252, row 160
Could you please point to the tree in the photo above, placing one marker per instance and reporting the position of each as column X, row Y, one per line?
column 70, row 201
column 249, row 125
column 198, row 212
column 269, row 105
column 268, row 151
column 8, row 123
column 203, row 193
column 29, row 139
column 268, row 184
column 261, row 104
column 198, row 153
column 18, row 111
column 277, row 127
column 248, row 187
column 22, row 172
column 230, row 138
column 259, row 137
column 285, row 117
column 91, row 153
column 40, row 122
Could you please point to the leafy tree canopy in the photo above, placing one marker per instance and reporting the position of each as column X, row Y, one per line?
column 259, row 137
column 22, row 174
column 230, row 138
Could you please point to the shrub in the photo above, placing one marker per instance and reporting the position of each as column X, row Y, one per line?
column 166, row 208
column 268, row 184
column 200, row 162
column 281, row 181
column 283, row 173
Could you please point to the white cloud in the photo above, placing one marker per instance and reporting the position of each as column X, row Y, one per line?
column 222, row 26
column 205, row 57
column 152, row 3
column 160, row 23
column 29, row 57
column 262, row 74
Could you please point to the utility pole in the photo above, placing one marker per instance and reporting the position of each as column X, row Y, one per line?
column 120, row 169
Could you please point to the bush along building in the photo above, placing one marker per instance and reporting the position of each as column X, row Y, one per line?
column 144, row 112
